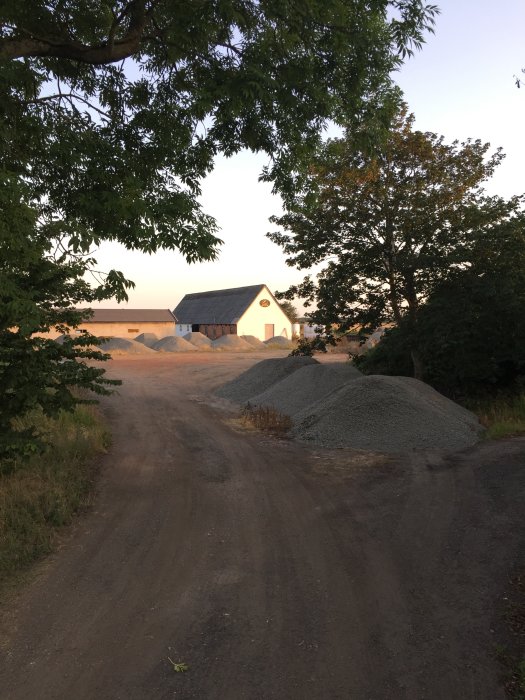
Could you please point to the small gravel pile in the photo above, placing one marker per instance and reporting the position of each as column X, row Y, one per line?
column 280, row 342
column 231, row 343
column 388, row 414
column 124, row 346
column 254, row 342
column 304, row 387
column 148, row 339
column 173, row 343
column 260, row 377
column 201, row 341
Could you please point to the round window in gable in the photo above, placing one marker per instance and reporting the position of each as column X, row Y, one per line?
column 264, row 302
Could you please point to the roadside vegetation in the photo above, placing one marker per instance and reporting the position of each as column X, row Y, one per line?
column 41, row 494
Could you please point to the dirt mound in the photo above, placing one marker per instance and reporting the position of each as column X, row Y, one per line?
column 306, row 386
column 201, row 341
column 254, row 342
column 388, row 414
column 279, row 341
column 231, row 343
column 148, row 339
column 173, row 343
column 124, row 346
column 260, row 377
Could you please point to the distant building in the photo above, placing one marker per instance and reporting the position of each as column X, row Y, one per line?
column 128, row 323
column 240, row 311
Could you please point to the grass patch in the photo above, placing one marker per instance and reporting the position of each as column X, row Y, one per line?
column 266, row 418
column 502, row 416
column 41, row 494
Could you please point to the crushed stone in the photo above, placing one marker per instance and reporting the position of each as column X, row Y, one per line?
column 124, row 346
column 148, row 339
column 304, row 387
column 388, row 414
column 260, row 377
column 201, row 341
column 173, row 343
column 254, row 342
column 279, row 341
column 230, row 343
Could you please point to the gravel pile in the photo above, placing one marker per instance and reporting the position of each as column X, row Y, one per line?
column 148, row 339
column 304, row 387
column 388, row 414
column 201, row 341
column 254, row 342
column 231, row 343
column 123, row 346
column 279, row 341
column 260, row 377
column 173, row 343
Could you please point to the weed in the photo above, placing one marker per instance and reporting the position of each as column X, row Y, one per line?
column 178, row 667
column 266, row 418
column 42, row 493
column 502, row 416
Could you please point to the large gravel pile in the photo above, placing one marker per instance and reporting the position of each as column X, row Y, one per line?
column 388, row 414
column 123, row 346
column 173, row 343
column 148, row 339
column 201, row 341
column 279, row 341
column 254, row 342
column 231, row 343
column 304, row 387
column 261, row 376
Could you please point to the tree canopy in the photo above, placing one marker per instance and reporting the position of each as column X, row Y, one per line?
column 389, row 225
column 112, row 112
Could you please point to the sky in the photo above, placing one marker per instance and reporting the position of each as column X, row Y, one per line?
column 460, row 85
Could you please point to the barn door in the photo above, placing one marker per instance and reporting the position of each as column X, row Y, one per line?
column 269, row 331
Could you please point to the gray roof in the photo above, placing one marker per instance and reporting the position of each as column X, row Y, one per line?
column 218, row 306
column 132, row 316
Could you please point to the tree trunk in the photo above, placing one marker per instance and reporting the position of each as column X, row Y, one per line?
column 417, row 363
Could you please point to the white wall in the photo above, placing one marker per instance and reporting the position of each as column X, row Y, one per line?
column 256, row 316
column 182, row 328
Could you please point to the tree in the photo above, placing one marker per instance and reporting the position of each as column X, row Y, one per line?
column 290, row 310
column 112, row 112
column 471, row 330
column 389, row 225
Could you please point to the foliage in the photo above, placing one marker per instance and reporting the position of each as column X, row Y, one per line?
column 307, row 347
column 290, row 310
column 390, row 225
column 111, row 114
column 42, row 493
column 471, row 331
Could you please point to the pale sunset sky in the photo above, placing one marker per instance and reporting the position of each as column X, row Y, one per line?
column 460, row 85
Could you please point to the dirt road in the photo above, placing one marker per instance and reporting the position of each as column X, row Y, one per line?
column 272, row 570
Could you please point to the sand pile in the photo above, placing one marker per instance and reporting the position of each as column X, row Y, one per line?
column 304, row 387
column 148, row 339
column 260, row 377
column 389, row 414
column 123, row 346
column 173, row 343
column 200, row 341
column 254, row 342
column 280, row 342
column 232, row 343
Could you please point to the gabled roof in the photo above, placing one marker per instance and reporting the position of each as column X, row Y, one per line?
column 218, row 306
column 131, row 316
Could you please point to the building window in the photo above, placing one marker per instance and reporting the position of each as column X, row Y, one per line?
column 133, row 330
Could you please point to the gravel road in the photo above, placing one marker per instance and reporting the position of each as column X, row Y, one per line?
column 273, row 570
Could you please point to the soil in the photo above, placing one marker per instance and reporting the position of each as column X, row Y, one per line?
column 273, row 570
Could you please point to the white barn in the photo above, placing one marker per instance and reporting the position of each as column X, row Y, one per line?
column 249, row 310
